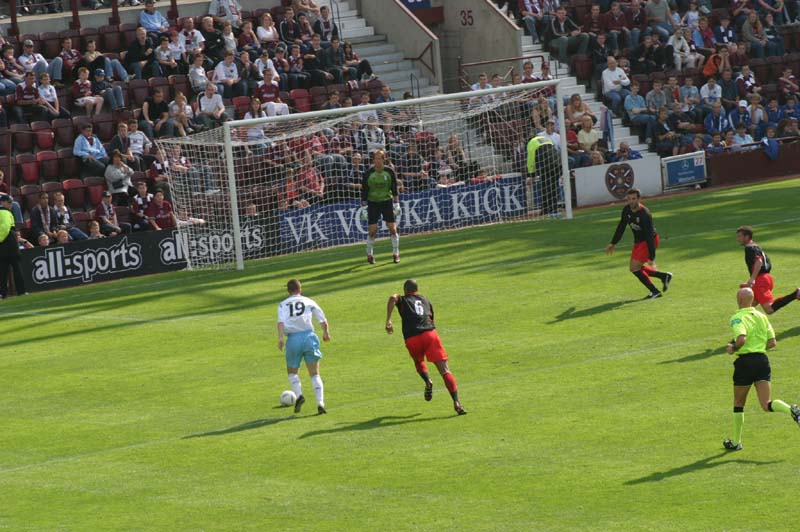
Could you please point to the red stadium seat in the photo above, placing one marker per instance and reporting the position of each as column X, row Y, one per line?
column 23, row 137
column 75, row 193
column 301, row 99
column 70, row 166
column 319, row 95
column 43, row 135
column 82, row 219
column 111, row 39
column 64, row 132
column 95, row 186
column 104, row 126
column 90, row 34
column 242, row 105
column 77, row 41
column 50, row 44
column 140, row 91
column 163, row 84
column 128, row 32
column 30, row 196
column 5, row 142
column 49, row 168
column 51, row 187
column 27, row 168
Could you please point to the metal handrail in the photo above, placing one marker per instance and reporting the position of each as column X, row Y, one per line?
column 337, row 18
column 414, row 79
column 432, row 66
column 463, row 77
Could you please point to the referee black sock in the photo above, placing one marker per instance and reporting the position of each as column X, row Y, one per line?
column 783, row 301
column 645, row 280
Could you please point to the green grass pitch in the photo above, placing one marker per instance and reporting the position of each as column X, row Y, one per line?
column 152, row 404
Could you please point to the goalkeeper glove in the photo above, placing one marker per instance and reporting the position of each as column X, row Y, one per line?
column 363, row 215
column 397, row 210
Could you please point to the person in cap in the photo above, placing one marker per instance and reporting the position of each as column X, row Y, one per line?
column 112, row 95
column 36, row 63
column 9, row 249
column 106, row 216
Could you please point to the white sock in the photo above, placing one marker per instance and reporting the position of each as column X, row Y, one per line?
column 370, row 245
column 395, row 243
column 316, row 383
column 294, row 380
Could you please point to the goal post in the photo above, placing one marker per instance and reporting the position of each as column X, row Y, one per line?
column 273, row 185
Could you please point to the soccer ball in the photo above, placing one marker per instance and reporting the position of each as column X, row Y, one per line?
column 288, row 398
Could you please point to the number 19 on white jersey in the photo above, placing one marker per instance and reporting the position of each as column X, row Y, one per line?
column 295, row 313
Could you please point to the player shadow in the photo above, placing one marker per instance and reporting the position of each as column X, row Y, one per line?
column 708, row 353
column 571, row 312
column 699, row 465
column 250, row 425
column 374, row 423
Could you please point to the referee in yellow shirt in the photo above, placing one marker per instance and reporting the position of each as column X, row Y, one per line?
column 9, row 249
column 544, row 164
column 752, row 336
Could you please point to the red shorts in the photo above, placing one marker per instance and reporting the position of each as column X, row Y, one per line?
column 640, row 252
column 426, row 345
column 762, row 289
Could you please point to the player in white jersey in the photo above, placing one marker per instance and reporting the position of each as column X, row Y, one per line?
column 294, row 322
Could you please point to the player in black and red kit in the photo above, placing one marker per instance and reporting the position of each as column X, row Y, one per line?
column 422, row 340
column 759, row 268
column 645, row 239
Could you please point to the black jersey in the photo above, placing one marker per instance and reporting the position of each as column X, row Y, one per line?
column 753, row 251
column 417, row 314
column 641, row 223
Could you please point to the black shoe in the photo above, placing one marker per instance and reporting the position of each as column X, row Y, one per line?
column 653, row 295
column 321, row 410
column 459, row 409
column 428, row 391
column 666, row 281
column 370, row 259
column 298, row 404
column 396, row 258
column 729, row 445
column 795, row 410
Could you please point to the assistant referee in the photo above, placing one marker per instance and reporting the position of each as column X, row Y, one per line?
column 379, row 196
column 753, row 335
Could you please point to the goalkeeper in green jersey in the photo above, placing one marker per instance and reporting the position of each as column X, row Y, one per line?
column 752, row 336
column 379, row 196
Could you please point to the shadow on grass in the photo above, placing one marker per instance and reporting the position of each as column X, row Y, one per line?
column 250, row 425
column 788, row 333
column 704, row 463
column 571, row 312
column 375, row 423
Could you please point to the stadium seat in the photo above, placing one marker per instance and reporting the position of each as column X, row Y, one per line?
column 104, row 126
column 30, row 196
column 5, row 142
column 301, row 99
column 51, row 187
column 49, row 168
column 318, row 97
column 140, row 176
column 242, row 105
column 23, row 137
column 70, row 166
column 64, row 132
column 180, row 83
column 95, row 186
column 50, row 43
column 43, row 135
column 75, row 193
column 27, row 168
column 111, row 39
column 128, row 32
column 139, row 90
column 123, row 213
column 760, row 69
column 374, row 87
column 775, row 68
column 82, row 219
column 341, row 89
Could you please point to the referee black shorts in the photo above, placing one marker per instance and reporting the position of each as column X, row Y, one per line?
column 376, row 209
column 750, row 368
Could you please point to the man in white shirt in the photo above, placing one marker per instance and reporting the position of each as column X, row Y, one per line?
column 551, row 133
column 226, row 10
column 227, row 78
column 294, row 321
column 615, row 85
column 709, row 94
column 36, row 63
column 211, row 109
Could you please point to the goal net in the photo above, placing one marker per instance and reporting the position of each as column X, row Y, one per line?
column 273, row 185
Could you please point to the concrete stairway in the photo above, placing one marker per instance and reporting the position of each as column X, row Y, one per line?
column 387, row 61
